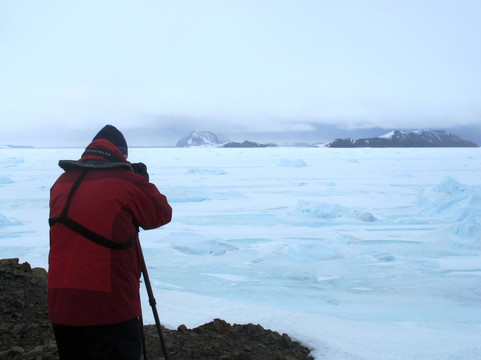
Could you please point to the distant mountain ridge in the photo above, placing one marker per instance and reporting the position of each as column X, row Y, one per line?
column 208, row 139
column 397, row 138
column 246, row 144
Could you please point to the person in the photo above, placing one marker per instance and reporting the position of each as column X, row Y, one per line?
column 95, row 259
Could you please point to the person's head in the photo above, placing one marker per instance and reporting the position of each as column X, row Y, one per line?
column 112, row 134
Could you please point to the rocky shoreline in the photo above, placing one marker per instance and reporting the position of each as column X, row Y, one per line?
column 26, row 332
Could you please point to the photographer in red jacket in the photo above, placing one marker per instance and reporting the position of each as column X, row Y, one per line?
column 96, row 208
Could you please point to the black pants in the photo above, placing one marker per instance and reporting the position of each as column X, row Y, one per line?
column 107, row 342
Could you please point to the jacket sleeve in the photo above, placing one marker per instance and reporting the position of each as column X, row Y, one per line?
column 149, row 207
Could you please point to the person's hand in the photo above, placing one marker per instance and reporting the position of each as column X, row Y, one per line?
column 141, row 169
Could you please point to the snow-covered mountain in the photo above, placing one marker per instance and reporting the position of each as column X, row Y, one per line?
column 199, row 138
column 396, row 138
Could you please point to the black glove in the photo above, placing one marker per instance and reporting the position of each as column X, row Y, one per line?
column 141, row 169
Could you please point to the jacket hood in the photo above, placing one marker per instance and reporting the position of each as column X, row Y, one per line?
column 100, row 153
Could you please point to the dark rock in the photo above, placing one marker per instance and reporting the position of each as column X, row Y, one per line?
column 221, row 340
column 246, row 144
column 25, row 331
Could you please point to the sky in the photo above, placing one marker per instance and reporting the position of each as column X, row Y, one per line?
column 284, row 70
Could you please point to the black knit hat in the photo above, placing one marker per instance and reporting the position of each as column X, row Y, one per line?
column 112, row 134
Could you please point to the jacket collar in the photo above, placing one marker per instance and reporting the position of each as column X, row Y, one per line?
column 100, row 153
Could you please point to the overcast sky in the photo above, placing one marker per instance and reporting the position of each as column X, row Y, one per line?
column 159, row 69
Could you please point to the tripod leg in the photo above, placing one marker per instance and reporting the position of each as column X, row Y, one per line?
column 152, row 304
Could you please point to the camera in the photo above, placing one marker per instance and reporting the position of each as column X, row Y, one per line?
column 141, row 169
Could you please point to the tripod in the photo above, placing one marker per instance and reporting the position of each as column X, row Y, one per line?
column 152, row 303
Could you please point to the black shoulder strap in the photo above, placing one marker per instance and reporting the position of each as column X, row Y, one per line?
column 82, row 230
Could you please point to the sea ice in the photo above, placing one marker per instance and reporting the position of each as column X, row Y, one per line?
column 363, row 254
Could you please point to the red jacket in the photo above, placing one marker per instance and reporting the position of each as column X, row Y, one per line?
column 89, row 284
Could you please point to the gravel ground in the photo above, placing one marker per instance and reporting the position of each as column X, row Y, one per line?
column 26, row 332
